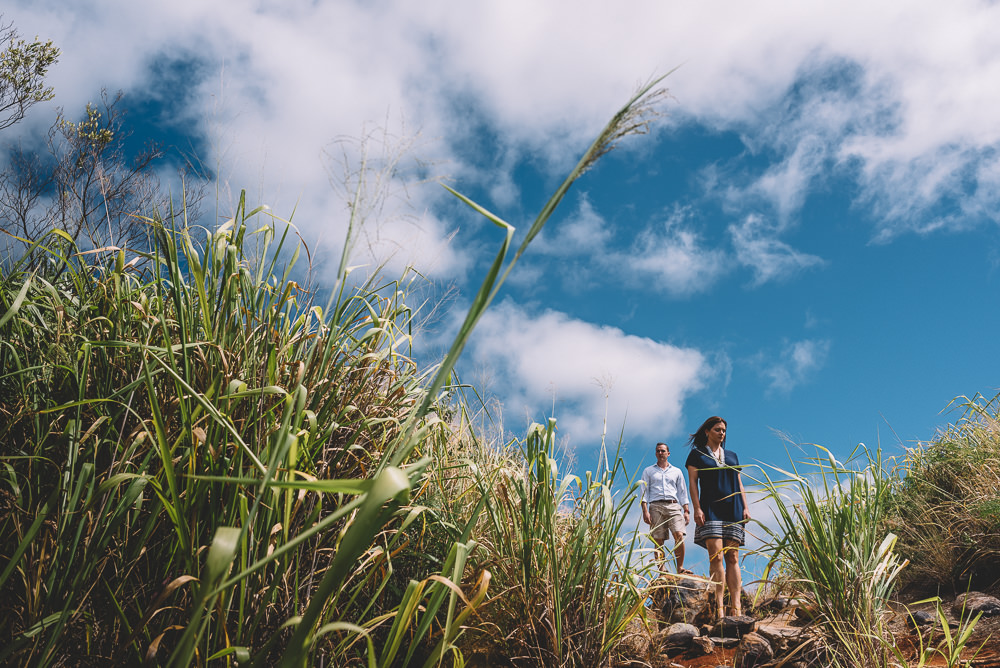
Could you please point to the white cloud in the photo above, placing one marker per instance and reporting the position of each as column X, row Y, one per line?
column 755, row 246
column 785, row 184
column 801, row 137
column 584, row 233
column 674, row 258
column 796, row 364
column 267, row 89
column 538, row 356
column 376, row 181
column 909, row 196
column 668, row 256
column 914, row 123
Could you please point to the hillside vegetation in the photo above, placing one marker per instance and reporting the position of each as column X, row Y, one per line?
column 204, row 462
column 946, row 506
column 853, row 541
column 201, row 464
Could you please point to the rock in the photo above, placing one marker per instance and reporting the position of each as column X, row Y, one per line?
column 753, row 651
column 782, row 638
column 775, row 604
column 733, row 626
column 919, row 618
column 806, row 613
column 725, row 643
column 688, row 600
column 780, row 631
column 684, row 600
column 679, row 635
column 636, row 640
column 973, row 603
column 701, row 646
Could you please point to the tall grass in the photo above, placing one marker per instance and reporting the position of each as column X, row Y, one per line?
column 202, row 464
column 553, row 546
column 848, row 536
column 946, row 509
column 830, row 541
column 951, row 647
column 186, row 446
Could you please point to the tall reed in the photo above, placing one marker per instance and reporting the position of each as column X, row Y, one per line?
column 829, row 540
column 201, row 464
column 553, row 545
column 204, row 402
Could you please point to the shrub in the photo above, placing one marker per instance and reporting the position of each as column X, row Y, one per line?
column 194, row 415
column 946, row 507
column 552, row 543
column 830, row 543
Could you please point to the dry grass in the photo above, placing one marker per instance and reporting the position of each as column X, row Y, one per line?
column 947, row 505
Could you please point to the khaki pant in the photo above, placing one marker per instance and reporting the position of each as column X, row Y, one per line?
column 666, row 519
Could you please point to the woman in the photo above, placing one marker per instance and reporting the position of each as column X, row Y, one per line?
column 720, row 508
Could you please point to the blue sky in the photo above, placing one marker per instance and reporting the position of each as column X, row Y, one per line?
column 806, row 243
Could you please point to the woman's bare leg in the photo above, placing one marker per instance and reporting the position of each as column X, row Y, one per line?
column 734, row 579
column 716, row 570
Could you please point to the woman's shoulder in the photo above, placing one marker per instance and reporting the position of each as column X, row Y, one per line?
column 731, row 458
column 696, row 458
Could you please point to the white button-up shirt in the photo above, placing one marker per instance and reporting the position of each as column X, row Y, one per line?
column 664, row 484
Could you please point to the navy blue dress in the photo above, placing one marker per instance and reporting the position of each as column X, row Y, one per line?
column 718, row 496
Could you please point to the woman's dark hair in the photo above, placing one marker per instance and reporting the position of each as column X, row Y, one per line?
column 699, row 439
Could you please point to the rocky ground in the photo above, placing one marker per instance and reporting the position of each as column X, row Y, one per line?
column 779, row 633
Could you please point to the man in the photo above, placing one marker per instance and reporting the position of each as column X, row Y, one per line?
column 664, row 494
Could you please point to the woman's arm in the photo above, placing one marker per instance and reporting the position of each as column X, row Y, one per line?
column 743, row 493
column 699, row 516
